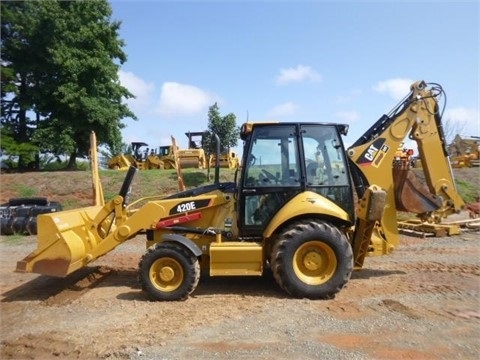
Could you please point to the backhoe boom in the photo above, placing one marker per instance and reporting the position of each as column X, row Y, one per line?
column 372, row 156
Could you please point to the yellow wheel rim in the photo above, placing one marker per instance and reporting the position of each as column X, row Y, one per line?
column 314, row 263
column 166, row 274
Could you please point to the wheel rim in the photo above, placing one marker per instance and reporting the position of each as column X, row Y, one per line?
column 166, row 274
column 314, row 263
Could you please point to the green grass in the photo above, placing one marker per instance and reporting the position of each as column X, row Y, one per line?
column 158, row 182
column 73, row 189
column 71, row 204
column 467, row 190
column 25, row 191
column 14, row 239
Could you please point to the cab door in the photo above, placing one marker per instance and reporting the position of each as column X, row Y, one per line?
column 326, row 167
column 271, row 177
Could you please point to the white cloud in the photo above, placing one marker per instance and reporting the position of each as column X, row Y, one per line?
column 396, row 88
column 350, row 96
column 285, row 109
column 347, row 116
column 461, row 120
column 138, row 87
column 461, row 114
column 181, row 99
column 298, row 74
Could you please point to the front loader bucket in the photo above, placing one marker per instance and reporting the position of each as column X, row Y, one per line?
column 65, row 241
column 411, row 195
column 69, row 240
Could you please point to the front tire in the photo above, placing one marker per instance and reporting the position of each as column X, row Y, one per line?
column 312, row 259
column 169, row 272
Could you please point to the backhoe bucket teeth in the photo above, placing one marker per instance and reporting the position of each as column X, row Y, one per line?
column 411, row 195
column 64, row 242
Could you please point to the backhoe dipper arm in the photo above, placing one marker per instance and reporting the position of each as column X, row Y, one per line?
column 372, row 157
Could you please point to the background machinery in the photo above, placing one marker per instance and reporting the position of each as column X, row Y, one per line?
column 142, row 158
column 403, row 156
column 302, row 206
column 465, row 151
column 227, row 159
column 194, row 155
column 19, row 215
column 163, row 157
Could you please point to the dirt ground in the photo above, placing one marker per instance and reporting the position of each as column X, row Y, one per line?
column 421, row 302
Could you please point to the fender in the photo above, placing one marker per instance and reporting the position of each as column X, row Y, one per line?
column 189, row 244
column 304, row 203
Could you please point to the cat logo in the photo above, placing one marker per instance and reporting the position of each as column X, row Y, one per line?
column 374, row 154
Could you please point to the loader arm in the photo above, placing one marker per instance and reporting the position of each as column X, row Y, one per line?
column 69, row 240
column 371, row 159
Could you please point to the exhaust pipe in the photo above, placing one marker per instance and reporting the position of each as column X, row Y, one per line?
column 217, row 160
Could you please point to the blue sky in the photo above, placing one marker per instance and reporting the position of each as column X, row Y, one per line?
column 343, row 61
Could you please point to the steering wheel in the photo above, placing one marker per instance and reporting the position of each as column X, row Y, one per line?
column 268, row 176
column 251, row 160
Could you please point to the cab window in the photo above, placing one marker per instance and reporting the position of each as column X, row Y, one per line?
column 273, row 158
column 325, row 164
column 324, row 157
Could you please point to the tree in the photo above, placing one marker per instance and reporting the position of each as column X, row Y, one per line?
column 19, row 57
column 63, row 59
column 224, row 126
column 451, row 129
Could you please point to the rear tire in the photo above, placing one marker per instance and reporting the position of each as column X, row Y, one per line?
column 168, row 272
column 312, row 259
column 20, row 217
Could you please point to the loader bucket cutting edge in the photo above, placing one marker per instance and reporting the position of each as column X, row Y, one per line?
column 64, row 243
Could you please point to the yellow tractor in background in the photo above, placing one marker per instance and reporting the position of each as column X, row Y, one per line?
column 227, row 159
column 185, row 158
column 194, row 155
column 465, row 151
column 163, row 157
column 142, row 158
column 302, row 206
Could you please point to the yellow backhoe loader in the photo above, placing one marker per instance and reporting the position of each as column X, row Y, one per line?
column 292, row 208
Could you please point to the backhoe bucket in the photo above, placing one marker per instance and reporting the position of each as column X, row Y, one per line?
column 64, row 242
column 411, row 195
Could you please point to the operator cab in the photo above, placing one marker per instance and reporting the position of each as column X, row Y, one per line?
column 137, row 154
column 284, row 159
